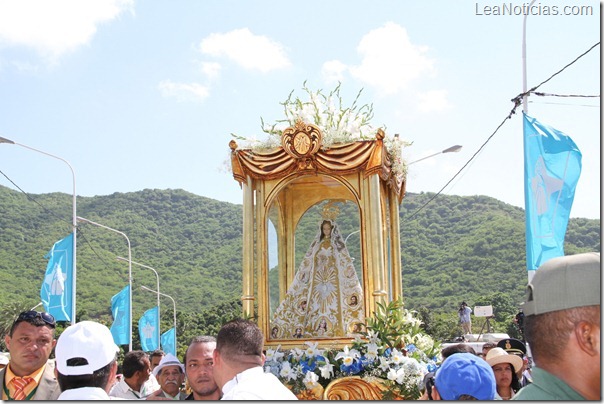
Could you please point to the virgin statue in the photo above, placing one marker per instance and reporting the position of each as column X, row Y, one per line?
column 325, row 298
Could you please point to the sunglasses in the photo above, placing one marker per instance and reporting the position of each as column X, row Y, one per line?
column 32, row 314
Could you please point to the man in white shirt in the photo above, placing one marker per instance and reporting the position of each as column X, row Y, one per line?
column 238, row 365
column 86, row 361
column 136, row 369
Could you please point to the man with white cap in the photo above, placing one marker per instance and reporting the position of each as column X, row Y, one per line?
column 562, row 327
column 170, row 374
column 86, row 361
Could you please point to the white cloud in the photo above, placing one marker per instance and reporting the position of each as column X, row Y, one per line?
column 389, row 60
column 211, row 69
column 433, row 101
column 183, row 91
column 333, row 71
column 253, row 52
column 55, row 27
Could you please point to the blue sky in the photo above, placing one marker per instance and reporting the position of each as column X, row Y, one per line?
column 145, row 94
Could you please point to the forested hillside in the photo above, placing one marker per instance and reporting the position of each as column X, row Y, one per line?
column 456, row 248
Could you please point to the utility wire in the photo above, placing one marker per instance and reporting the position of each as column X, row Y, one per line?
column 565, row 95
column 517, row 102
column 28, row 196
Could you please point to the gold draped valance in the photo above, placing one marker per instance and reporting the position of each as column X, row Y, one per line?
column 369, row 156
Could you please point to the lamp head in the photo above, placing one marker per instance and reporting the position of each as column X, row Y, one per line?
column 453, row 149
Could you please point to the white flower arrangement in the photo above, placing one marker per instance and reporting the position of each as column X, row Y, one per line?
column 338, row 124
column 400, row 366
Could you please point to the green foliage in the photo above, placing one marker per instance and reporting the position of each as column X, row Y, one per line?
column 456, row 248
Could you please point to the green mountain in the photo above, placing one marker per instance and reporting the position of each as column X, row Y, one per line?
column 453, row 249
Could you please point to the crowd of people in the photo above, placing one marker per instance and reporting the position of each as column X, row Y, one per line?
column 562, row 323
column 561, row 319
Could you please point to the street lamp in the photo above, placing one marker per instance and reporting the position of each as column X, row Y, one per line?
column 452, row 149
column 84, row 220
column 157, row 277
column 74, row 223
column 174, row 305
column 524, row 97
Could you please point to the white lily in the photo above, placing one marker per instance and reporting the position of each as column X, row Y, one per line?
column 287, row 372
column 397, row 357
column 312, row 349
column 311, row 380
column 326, row 370
column 273, row 354
column 348, row 356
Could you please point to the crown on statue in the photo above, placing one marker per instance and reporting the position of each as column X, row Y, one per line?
column 330, row 210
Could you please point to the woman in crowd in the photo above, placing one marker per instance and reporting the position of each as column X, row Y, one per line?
column 505, row 366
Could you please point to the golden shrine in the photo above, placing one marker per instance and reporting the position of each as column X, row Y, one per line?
column 286, row 188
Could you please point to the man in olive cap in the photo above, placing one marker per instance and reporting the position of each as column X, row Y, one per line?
column 562, row 323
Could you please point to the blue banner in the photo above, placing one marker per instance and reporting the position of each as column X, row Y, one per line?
column 57, row 288
column 168, row 341
column 148, row 330
column 552, row 166
column 120, row 309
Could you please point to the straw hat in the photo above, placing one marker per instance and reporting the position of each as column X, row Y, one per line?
column 498, row 355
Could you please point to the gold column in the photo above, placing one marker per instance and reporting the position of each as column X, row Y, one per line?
column 377, row 240
column 395, row 246
column 248, row 249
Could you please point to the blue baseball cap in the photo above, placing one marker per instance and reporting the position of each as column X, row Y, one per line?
column 465, row 374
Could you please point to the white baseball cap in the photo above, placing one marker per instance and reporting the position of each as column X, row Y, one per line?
column 88, row 340
column 168, row 360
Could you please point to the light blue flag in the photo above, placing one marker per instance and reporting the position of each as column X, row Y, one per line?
column 120, row 309
column 57, row 287
column 148, row 330
column 552, row 166
column 168, row 341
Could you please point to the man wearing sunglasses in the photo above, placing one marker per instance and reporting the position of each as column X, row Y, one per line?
column 29, row 375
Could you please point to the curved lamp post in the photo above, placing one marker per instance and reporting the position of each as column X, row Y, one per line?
column 84, row 220
column 157, row 278
column 74, row 222
column 452, row 149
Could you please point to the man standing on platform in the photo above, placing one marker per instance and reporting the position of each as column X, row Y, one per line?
column 464, row 318
column 29, row 374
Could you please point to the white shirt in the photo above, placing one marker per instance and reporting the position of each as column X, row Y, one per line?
column 122, row 390
column 84, row 393
column 254, row 384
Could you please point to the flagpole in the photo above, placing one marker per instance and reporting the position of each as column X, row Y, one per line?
column 74, row 223
column 158, row 309
column 173, row 303
column 81, row 219
column 530, row 274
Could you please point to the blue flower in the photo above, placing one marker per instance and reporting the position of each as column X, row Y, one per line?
column 353, row 369
column 308, row 365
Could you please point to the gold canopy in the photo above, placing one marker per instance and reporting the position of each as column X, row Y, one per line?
column 367, row 156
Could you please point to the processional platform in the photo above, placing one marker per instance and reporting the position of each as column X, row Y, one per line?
column 289, row 192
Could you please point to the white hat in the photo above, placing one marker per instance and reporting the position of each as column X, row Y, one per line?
column 168, row 360
column 88, row 340
column 499, row 355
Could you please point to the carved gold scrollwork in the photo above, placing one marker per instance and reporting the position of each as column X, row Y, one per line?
column 301, row 142
column 354, row 388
